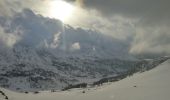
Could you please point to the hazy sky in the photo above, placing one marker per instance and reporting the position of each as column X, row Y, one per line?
column 144, row 24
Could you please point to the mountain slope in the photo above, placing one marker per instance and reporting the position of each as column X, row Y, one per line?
column 30, row 70
column 39, row 53
column 149, row 85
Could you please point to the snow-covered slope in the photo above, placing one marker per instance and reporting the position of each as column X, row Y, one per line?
column 149, row 85
column 36, row 70
column 58, row 73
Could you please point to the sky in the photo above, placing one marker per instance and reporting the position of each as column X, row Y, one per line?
column 144, row 24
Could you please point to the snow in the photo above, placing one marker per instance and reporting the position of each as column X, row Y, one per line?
column 149, row 85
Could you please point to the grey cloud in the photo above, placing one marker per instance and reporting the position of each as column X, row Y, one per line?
column 143, row 23
column 132, row 8
column 10, row 7
column 31, row 28
column 153, row 40
column 37, row 31
column 150, row 19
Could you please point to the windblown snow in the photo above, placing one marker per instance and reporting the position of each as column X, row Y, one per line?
column 149, row 85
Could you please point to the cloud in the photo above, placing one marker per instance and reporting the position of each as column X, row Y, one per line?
column 5, row 11
column 142, row 24
column 156, row 9
column 75, row 46
column 7, row 39
column 151, row 40
column 148, row 22
column 31, row 30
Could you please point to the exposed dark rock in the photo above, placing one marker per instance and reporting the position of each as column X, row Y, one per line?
column 81, row 85
column 5, row 96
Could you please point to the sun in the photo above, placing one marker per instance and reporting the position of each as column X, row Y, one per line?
column 60, row 10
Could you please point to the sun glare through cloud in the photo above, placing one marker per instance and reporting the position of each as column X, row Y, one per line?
column 60, row 10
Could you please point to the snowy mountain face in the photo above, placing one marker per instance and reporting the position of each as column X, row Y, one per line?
column 149, row 85
column 30, row 70
column 40, row 53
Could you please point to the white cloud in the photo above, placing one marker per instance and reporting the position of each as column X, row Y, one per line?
column 75, row 46
column 8, row 39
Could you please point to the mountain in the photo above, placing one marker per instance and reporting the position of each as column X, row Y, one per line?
column 39, row 53
column 30, row 70
column 149, row 85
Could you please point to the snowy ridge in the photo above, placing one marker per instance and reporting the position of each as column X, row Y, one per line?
column 35, row 71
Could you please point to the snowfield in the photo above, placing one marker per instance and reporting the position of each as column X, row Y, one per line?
column 149, row 85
